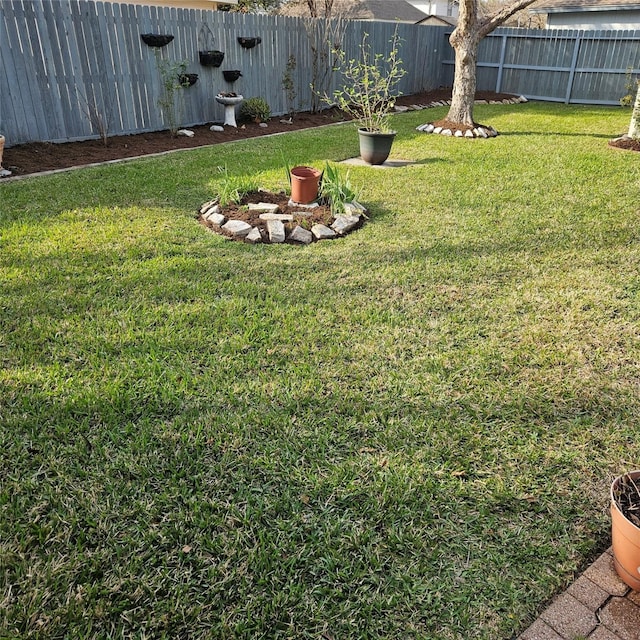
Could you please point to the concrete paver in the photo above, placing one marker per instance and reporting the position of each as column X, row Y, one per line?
column 597, row 606
column 569, row 617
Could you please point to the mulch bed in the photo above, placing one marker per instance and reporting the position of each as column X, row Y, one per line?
column 33, row 157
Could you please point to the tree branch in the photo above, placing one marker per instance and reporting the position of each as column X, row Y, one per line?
column 494, row 20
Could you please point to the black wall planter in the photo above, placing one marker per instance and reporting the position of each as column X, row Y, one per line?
column 231, row 75
column 211, row 58
column 249, row 43
column 188, row 79
column 156, row 39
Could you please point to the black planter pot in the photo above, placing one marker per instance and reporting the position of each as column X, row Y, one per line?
column 156, row 39
column 231, row 75
column 211, row 58
column 188, row 79
column 375, row 147
column 249, row 43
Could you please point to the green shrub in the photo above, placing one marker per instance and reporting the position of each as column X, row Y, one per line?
column 255, row 109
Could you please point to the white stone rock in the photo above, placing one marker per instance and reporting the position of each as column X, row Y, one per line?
column 237, row 228
column 458, row 133
column 482, row 133
column 480, row 102
column 507, row 101
column 401, row 109
column 275, row 230
column 301, row 214
column 263, row 206
column 353, row 209
column 185, row 132
column 301, row 235
column 216, row 127
column 446, row 132
column 254, row 236
column 344, row 224
column 523, row 99
column 429, row 128
column 421, row 127
column 312, row 205
column 468, row 133
column 289, row 121
column 495, row 102
column 4, row 173
column 437, row 130
column 492, row 132
column 417, row 107
column 207, row 205
column 283, row 217
column 213, row 209
column 263, row 125
column 216, row 218
column 322, row 232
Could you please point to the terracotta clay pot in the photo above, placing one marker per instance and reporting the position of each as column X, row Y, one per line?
column 2, row 139
column 625, row 537
column 305, row 183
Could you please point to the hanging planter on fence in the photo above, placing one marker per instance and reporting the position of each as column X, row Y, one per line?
column 188, row 79
column 211, row 58
column 156, row 39
column 231, row 75
column 249, row 43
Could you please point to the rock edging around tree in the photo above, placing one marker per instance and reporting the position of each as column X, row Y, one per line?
column 446, row 128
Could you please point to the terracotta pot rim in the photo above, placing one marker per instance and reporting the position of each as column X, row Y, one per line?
column 634, row 475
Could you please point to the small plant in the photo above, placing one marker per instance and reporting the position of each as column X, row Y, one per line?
column 171, row 99
column 368, row 83
column 289, row 86
column 99, row 115
column 631, row 85
column 336, row 188
column 256, row 109
column 231, row 189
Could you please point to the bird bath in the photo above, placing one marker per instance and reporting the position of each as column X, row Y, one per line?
column 229, row 103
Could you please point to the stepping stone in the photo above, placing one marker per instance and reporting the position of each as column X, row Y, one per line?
column 344, row 224
column 301, row 235
column 275, row 229
column 263, row 206
column 215, row 218
column 237, row 228
column 322, row 232
column 254, row 236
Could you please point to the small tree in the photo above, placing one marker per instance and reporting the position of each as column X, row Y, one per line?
column 289, row 85
column 367, row 93
column 171, row 98
column 99, row 115
column 634, row 125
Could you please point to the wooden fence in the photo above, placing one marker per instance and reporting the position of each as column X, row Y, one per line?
column 66, row 63
column 560, row 65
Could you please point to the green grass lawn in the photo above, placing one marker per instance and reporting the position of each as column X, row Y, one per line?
column 406, row 433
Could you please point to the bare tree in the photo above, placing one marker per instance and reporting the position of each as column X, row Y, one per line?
column 465, row 40
column 634, row 126
column 325, row 30
column 98, row 113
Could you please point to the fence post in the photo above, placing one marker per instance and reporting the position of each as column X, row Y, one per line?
column 572, row 70
column 503, row 52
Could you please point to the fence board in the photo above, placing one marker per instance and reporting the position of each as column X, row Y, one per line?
column 62, row 57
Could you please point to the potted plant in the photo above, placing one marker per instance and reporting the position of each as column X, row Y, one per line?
column 625, row 527
column 367, row 96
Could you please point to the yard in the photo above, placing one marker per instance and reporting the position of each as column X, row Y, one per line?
column 405, row 433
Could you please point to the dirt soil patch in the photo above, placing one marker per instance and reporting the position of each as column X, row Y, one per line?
column 33, row 157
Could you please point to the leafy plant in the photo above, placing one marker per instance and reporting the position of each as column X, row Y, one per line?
column 631, row 89
column 336, row 188
column 289, row 86
column 171, row 99
column 231, row 189
column 256, row 108
column 367, row 93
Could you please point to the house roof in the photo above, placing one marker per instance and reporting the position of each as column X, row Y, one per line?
column 433, row 19
column 572, row 6
column 384, row 10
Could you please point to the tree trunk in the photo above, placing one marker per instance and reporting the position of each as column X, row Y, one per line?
column 634, row 126
column 465, row 40
column 464, row 82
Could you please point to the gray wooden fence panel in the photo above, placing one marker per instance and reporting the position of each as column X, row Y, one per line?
column 61, row 58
